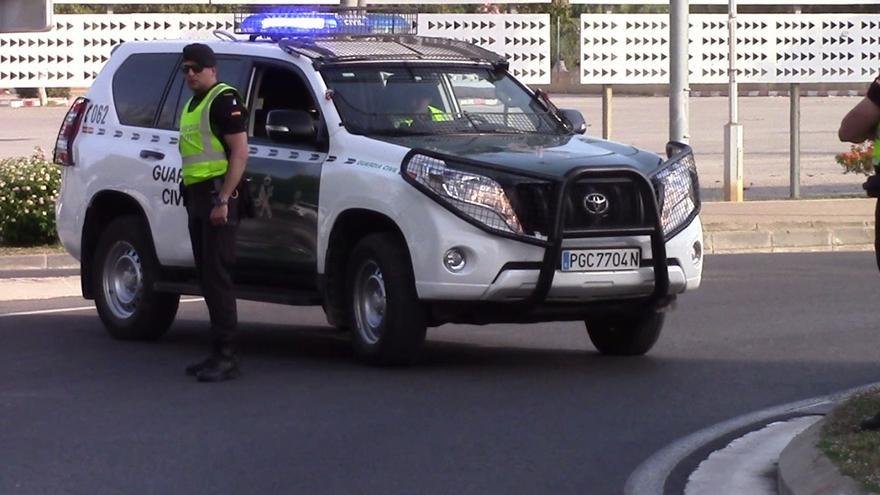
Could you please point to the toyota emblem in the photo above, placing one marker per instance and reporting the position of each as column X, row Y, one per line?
column 596, row 203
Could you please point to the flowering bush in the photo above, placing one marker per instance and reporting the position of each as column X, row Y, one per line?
column 28, row 188
column 858, row 159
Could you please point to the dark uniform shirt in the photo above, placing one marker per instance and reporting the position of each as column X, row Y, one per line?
column 228, row 114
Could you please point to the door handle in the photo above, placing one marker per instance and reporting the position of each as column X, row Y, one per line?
column 157, row 155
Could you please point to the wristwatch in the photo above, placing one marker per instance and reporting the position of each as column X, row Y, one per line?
column 219, row 202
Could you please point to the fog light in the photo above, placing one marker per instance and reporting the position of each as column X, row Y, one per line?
column 697, row 253
column 454, row 260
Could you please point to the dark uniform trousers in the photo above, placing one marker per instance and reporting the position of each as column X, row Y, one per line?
column 214, row 252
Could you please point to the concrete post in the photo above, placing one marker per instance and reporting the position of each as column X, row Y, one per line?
column 794, row 174
column 607, row 95
column 795, row 141
column 678, row 71
column 733, row 131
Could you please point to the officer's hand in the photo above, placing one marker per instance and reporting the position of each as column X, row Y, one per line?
column 218, row 214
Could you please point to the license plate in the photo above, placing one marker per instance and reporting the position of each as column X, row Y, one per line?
column 601, row 260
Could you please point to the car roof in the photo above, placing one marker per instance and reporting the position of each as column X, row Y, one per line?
column 331, row 50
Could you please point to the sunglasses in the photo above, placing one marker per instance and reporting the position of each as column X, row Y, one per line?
column 197, row 69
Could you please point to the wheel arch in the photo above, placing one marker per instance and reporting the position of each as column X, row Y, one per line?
column 105, row 206
column 350, row 226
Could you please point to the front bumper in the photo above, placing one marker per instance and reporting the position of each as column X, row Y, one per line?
column 517, row 280
column 517, row 284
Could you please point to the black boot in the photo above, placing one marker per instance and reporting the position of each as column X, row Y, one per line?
column 194, row 369
column 871, row 423
column 223, row 365
column 221, row 370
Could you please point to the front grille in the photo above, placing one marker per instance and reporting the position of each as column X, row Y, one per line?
column 607, row 203
column 535, row 205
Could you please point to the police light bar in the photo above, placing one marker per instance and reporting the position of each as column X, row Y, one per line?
column 323, row 23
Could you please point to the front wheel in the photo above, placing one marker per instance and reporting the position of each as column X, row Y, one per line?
column 385, row 314
column 626, row 335
column 125, row 269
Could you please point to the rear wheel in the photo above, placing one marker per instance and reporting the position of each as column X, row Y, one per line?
column 125, row 270
column 626, row 335
column 386, row 317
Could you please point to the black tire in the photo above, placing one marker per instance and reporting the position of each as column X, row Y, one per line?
column 626, row 335
column 385, row 315
column 123, row 273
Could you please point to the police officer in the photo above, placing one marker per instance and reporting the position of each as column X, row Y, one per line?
column 214, row 150
column 861, row 124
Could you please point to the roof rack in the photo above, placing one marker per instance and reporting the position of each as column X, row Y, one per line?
column 345, row 49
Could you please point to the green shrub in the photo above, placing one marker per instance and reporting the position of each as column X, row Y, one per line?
column 58, row 92
column 858, row 160
column 50, row 92
column 28, row 188
column 27, row 92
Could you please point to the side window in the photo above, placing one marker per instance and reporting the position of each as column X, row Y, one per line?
column 138, row 86
column 278, row 89
column 231, row 70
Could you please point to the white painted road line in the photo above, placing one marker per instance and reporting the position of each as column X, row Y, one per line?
column 46, row 311
column 70, row 310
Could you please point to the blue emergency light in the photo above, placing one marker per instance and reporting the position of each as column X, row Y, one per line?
column 313, row 24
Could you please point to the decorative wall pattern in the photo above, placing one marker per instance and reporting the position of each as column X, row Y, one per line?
column 75, row 50
column 523, row 38
column 771, row 48
column 78, row 46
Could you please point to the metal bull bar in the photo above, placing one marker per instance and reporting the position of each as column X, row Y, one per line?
column 553, row 251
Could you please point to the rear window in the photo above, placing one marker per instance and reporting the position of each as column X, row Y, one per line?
column 138, row 86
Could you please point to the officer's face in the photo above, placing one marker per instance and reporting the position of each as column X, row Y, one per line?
column 198, row 78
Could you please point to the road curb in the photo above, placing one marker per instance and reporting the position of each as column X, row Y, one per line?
column 726, row 238
column 805, row 470
column 650, row 476
column 17, row 262
column 33, row 102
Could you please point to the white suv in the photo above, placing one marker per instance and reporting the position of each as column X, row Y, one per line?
column 490, row 205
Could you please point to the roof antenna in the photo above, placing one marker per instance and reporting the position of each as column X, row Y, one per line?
column 223, row 35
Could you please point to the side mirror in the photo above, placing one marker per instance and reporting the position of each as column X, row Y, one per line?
column 575, row 120
column 290, row 126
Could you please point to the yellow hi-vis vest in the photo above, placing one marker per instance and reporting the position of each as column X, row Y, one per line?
column 202, row 152
column 877, row 148
column 437, row 115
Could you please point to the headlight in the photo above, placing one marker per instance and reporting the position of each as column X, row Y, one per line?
column 678, row 193
column 478, row 197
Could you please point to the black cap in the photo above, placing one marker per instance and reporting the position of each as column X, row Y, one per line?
column 201, row 54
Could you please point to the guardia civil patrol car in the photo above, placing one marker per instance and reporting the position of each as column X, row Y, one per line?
column 401, row 182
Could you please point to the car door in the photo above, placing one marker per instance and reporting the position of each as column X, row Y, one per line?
column 279, row 245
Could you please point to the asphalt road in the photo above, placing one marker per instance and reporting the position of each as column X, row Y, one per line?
column 498, row 409
column 642, row 122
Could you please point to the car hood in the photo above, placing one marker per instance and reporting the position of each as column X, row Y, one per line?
column 544, row 154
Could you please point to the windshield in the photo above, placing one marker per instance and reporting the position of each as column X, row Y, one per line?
column 410, row 100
